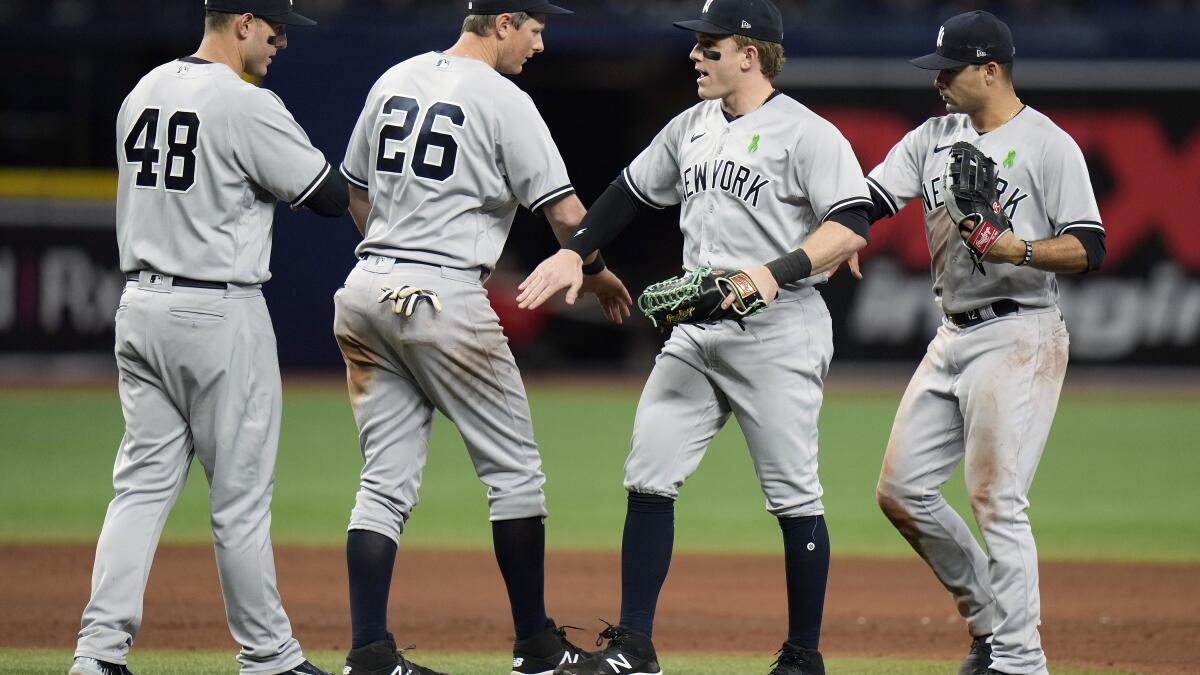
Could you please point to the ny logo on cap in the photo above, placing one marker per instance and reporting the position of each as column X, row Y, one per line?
column 707, row 4
column 941, row 35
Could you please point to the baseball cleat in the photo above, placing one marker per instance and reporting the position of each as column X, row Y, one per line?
column 542, row 653
column 979, row 658
column 628, row 653
column 795, row 660
column 305, row 668
column 382, row 658
column 87, row 666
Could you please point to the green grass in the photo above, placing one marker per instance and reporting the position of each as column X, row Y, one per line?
column 45, row 662
column 1118, row 481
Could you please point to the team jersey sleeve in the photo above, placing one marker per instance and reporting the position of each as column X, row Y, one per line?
column 272, row 149
column 356, row 167
column 897, row 179
column 653, row 176
column 827, row 173
column 1067, row 187
column 528, row 157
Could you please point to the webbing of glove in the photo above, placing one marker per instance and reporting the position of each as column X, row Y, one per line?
column 672, row 301
column 973, row 201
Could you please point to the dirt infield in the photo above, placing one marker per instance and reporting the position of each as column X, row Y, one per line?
column 1139, row 618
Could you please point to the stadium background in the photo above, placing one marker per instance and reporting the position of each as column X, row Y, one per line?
column 1117, row 486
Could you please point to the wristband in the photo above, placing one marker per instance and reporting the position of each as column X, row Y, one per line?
column 1028, row 254
column 596, row 266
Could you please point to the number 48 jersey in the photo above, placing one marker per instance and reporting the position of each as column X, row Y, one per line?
column 447, row 148
column 203, row 157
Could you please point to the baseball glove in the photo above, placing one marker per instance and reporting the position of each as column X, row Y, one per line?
column 973, row 201
column 695, row 297
column 406, row 299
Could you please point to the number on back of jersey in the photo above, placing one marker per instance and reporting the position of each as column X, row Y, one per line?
column 182, row 138
column 441, row 147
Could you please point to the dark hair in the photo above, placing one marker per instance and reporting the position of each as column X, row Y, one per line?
column 1007, row 68
column 214, row 21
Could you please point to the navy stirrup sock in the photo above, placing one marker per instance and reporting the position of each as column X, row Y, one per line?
column 806, row 558
column 370, row 557
column 520, row 552
column 645, row 558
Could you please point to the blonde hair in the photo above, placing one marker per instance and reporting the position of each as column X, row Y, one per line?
column 482, row 24
column 770, row 54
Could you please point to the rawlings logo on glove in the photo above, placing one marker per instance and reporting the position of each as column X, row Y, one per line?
column 696, row 295
column 973, row 202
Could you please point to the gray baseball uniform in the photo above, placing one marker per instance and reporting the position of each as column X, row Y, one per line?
column 203, row 156
column 988, row 387
column 750, row 189
column 447, row 149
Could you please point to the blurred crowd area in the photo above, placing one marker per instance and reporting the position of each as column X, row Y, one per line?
column 79, row 12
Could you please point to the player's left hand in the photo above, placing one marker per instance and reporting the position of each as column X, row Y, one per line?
column 1007, row 249
column 562, row 270
column 614, row 298
column 765, row 282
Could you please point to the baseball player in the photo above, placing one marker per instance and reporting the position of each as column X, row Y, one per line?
column 203, row 157
column 444, row 152
column 759, row 179
column 988, row 386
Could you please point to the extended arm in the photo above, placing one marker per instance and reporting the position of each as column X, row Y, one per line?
column 1073, row 252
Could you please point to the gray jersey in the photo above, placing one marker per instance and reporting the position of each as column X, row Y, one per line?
column 203, row 157
column 1044, row 188
column 448, row 148
column 750, row 189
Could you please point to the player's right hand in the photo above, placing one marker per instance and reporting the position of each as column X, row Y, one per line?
column 561, row 270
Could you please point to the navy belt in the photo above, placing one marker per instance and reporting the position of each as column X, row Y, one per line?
column 181, row 281
column 974, row 317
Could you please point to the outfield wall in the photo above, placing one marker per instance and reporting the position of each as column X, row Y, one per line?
column 1134, row 120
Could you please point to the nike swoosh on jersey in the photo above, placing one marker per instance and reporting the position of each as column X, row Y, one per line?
column 697, row 136
column 937, row 149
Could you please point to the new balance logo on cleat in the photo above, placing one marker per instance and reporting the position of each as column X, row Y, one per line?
column 517, row 663
column 622, row 661
column 570, row 658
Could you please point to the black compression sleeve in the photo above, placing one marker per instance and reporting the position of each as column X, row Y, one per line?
column 879, row 208
column 1093, row 243
column 856, row 217
column 791, row 267
column 331, row 199
column 605, row 220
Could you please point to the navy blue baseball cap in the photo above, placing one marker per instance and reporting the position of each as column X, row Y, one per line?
column 972, row 37
column 485, row 7
column 279, row 11
column 758, row 19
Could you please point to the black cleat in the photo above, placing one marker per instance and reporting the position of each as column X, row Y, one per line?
column 628, row 653
column 88, row 666
column 794, row 660
column 979, row 658
column 305, row 668
column 542, row 653
column 382, row 658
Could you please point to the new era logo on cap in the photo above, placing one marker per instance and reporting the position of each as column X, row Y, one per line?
column 746, row 24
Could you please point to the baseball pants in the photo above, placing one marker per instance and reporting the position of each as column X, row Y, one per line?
column 199, row 376
column 985, row 395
